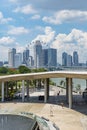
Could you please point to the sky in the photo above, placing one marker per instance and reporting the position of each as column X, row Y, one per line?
column 60, row 24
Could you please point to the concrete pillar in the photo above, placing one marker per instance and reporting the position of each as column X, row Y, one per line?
column 46, row 91
column 47, row 88
column 70, row 92
column 27, row 90
column 67, row 90
column 6, row 88
column 86, row 83
column 2, row 91
column 23, row 92
column 16, row 85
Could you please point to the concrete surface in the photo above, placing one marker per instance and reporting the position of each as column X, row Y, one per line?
column 64, row 118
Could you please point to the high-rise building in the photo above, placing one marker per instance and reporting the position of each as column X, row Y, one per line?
column 30, row 62
column 69, row 60
column 75, row 58
column 45, row 58
column 64, row 59
column 38, row 55
column 11, row 57
column 1, row 63
column 52, row 57
column 18, row 60
column 25, row 56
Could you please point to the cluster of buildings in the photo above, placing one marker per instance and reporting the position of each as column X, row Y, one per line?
column 68, row 60
column 41, row 57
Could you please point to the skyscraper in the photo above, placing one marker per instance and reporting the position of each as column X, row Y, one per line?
column 45, row 58
column 38, row 55
column 18, row 59
column 52, row 57
column 11, row 57
column 25, row 56
column 64, row 59
column 69, row 60
column 75, row 58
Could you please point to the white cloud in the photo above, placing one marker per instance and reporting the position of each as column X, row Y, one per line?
column 66, row 16
column 75, row 40
column 4, row 20
column 18, row 30
column 5, row 41
column 28, row 9
column 35, row 17
column 48, row 35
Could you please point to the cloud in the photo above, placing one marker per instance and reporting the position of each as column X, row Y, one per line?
column 66, row 16
column 4, row 20
column 17, row 30
column 48, row 35
column 27, row 9
column 76, row 40
column 6, row 41
column 35, row 17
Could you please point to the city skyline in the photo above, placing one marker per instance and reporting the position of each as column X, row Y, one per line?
column 42, row 57
column 62, row 25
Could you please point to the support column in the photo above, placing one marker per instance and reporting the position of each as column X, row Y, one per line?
column 46, row 90
column 16, row 86
column 2, row 91
column 86, row 83
column 70, row 92
column 6, row 89
column 23, row 92
column 67, row 90
column 27, row 90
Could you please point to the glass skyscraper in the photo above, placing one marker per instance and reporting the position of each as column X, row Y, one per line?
column 52, row 57
column 11, row 57
column 75, row 58
column 38, row 55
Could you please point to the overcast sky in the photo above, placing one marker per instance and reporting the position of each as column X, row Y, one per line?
column 61, row 24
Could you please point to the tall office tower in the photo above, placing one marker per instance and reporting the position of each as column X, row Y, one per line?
column 11, row 57
column 52, row 57
column 64, row 59
column 18, row 60
column 25, row 56
column 75, row 58
column 1, row 63
column 30, row 62
column 38, row 55
column 45, row 58
column 69, row 60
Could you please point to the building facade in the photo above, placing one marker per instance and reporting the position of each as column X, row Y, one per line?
column 52, row 57
column 75, row 59
column 38, row 55
column 64, row 59
column 11, row 57
column 18, row 59
column 25, row 56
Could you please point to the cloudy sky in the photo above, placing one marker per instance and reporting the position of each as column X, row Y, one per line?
column 61, row 24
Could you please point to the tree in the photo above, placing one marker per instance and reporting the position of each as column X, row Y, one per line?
column 3, row 70
column 24, row 69
column 12, row 71
column 78, row 87
column 62, row 83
